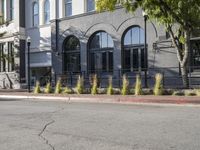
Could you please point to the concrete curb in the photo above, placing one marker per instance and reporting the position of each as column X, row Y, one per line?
column 169, row 100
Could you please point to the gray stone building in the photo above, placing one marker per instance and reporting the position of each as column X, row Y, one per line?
column 69, row 38
column 12, row 43
column 112, row 43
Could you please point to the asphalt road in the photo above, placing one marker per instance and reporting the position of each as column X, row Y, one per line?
column 32, row 125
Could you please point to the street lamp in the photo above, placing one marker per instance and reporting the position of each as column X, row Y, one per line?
column 28, row 40
column 145, row 46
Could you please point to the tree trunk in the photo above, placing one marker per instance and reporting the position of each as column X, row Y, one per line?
column 186, row 60
column 184, row 74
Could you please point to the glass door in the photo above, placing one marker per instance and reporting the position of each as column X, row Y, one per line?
column 133, row 59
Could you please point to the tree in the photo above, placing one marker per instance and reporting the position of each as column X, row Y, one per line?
column 179, row 17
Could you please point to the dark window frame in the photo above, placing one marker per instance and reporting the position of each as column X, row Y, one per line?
column 103, row 51
column 35, row 14
column 2, row 57
column 134, row 46
column 67, row 51
column 194, row 56
column 11, row 57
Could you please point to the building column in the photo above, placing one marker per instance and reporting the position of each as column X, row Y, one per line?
column 83, row 55
column 117, row 61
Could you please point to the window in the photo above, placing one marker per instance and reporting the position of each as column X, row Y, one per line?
column 35, row 14
column 195, row 47
column 11, row 9
column 71, row 50
column 133, row 50
column 2, row 58
column 101, row 52
column 46, row 12
column 195, row 33
column 68, row 7
column 134, row 36
column 7, row 62
column 90, row 5
column 11, row 61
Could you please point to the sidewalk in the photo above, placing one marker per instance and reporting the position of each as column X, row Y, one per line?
column 101, row 98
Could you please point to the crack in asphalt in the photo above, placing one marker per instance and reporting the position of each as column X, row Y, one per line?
column 43, row 130
column 45, row 127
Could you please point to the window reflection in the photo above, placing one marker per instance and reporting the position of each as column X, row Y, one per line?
column 72, row 54
column 68, row 7
column 11, row 9
column 90, row 5
column 101, row 40
column 133, row 50
column 35, row 14
column 101, row 52
column 135, row 35
column 195, row 46
column 46, row 12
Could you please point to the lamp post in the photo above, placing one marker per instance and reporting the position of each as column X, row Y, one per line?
column 145, row 47
column 28, row 40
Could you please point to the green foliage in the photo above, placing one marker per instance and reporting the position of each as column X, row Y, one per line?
column 67, row 90
column 80, row 85
column 179, row 17
column 167, row 12
column 158, row 87
column 138, row 86
column 94, row 85
column 37, row 88
column 58, row 88
column 110, row 90
column 48, row 88
column 125, row 86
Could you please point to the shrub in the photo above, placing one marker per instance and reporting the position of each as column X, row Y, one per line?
column 116, row 91
column 138, row 86
column 190, row 93
column 168, row 91
column 178, row 93
column 158, row 87
column 110, row 86
column 67, row 90
column 80, row 85
column 94, row 85
column 198, row 92
column 125, row 86
column 58, row 88
column 37, row 88
column 147, row 91
column 48, row 88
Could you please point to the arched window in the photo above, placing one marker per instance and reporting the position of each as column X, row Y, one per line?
column 71, row 50
column 35, row 14
column 133, row 49
column 46, row 12
column 11, row 9
column 101, row 52
column 68, row 8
